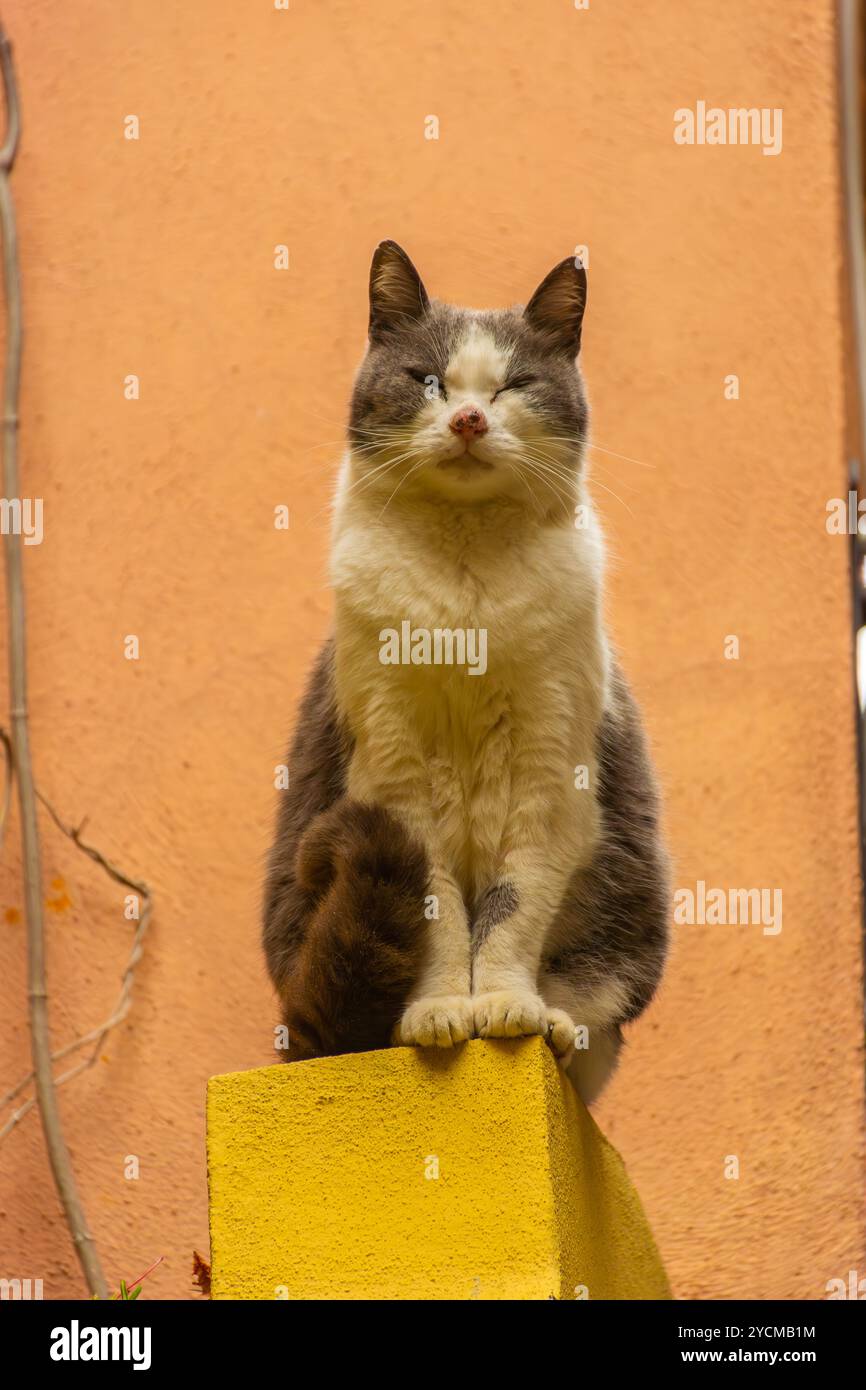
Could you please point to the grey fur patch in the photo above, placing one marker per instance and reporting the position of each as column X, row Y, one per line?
column 591, row 1069
column 318, row 759
column 498, row 903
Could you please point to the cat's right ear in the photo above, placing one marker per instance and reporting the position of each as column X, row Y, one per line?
column 396, row 291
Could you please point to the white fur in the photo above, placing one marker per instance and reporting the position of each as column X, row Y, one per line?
column 481, row 770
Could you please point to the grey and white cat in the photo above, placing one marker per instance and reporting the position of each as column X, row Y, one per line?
column 468, row 848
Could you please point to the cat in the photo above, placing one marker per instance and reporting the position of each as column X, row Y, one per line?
column 460, row 857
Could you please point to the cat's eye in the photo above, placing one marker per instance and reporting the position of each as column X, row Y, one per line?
column 426, row 379
column 516, row 383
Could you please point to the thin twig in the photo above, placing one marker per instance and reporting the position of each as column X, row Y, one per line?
column 46, row 1094
column 7, row 785
column 124, row 1000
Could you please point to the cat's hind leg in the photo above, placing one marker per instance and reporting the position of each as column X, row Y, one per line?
column 607, row 946
column 590, row 1070
column 581, row 1031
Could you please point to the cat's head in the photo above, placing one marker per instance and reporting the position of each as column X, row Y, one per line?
column 468, row 403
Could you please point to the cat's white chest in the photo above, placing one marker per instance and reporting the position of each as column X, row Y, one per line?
column 438, row 743
column 469, row 735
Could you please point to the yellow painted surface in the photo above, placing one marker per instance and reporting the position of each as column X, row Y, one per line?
column 413, row 1175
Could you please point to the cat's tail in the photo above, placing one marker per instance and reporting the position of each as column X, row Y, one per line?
column 363, row 881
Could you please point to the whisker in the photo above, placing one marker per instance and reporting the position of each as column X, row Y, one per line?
column 366, row 480
column 613, row 494
column 590, row 444
column 544, row 475
column 403, row 480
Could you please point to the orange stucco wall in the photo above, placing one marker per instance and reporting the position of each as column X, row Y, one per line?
column 155, row 257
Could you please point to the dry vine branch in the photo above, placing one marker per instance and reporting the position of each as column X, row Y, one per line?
column 7, row 784
column 124, row 999
column 58, row 1154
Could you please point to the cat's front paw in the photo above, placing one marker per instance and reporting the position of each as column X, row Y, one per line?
column 509, row 1013
column 560, row 1035
column 438, row 1021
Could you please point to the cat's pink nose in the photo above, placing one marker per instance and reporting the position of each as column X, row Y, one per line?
column 469, row 423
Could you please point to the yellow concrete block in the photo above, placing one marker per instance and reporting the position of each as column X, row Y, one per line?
column 418, row 1174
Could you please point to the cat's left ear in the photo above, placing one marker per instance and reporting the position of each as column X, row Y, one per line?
column 396, row 291
column 556, row 308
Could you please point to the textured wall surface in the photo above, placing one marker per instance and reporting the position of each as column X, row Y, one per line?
column 156, row 257
column 475, row 1173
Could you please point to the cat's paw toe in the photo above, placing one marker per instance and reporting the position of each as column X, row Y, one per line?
column 438, row 1021
column 507, row 1013
column 560, row 1034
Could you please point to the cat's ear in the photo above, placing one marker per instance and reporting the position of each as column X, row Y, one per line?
column 396, row 291
column 556, row 308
